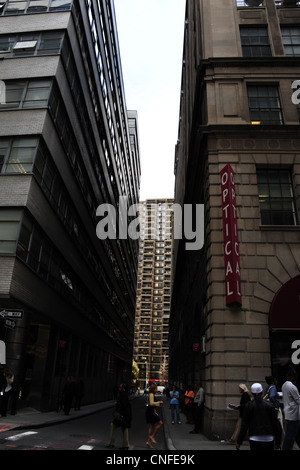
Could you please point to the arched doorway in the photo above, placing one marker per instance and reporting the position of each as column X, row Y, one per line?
column 284, row 322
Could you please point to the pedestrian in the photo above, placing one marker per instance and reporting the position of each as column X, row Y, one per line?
column 79, row 394
column 174, row 403
column 188, row 405
column 68, row 394
column 7, row 389
column 122, row 418
column 198, row 408
column 291, row 408
column 152, row 417
column 245, row 398
column 2, row 384
column 260, row 420
column 271, row 394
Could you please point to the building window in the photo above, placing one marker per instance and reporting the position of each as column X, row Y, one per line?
column 255, row 41
column 249, row 3
column 276, row 197
column 9, row 229
column 264, row 105
column 27, row 44
column 26, row 94
column 291, row 40
column 17, row 154
column 287, row 3
column 17, row 7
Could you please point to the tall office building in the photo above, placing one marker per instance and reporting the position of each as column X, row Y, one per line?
column 235, row 304
column 67, row 146
column 151, row 345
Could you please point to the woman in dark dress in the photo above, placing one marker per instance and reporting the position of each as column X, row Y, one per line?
column 122, row 418
column 152, row 417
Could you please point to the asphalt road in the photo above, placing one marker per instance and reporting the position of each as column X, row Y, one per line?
column 89, row 433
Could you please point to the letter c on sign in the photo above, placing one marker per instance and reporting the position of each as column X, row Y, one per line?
column 226, row 251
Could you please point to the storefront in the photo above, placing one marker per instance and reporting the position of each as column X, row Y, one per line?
column 284, row 325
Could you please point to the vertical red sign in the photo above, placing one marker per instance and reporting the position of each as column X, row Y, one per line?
column 230, row 235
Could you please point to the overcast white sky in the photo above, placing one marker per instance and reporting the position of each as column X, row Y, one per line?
column 151, row 44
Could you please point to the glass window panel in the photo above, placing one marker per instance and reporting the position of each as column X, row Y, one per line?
column 21, row 156
column 14, row 93
column 39, row 163
column 255, row 42
column 37, row 94
column 7, row 42
column 14, row 7
column 45, row 259
column 37, row 6
column 9, row 227
column 296, row 50
column 50, row 43
column 17, row 167
column 10, row 214
column 8, row 230
column 48, row 179
column 276, row 197
column 34, row 250
column 61, row 4
column 7, row 247
column 25, row 233
column 4, row 147
column 264, row 105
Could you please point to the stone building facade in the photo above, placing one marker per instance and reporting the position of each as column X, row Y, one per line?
column 239, row 115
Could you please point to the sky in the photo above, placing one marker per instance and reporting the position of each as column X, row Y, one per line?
column 151, row 45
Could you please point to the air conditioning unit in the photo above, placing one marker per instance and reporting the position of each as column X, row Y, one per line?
column 254, row 3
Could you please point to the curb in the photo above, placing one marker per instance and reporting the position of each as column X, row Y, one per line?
column 168, row 440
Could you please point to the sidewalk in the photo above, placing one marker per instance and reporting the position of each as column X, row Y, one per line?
column 29, row 418
column 177, row 436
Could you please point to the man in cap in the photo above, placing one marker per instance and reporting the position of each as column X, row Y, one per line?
column 291, row 404
column 260, row 420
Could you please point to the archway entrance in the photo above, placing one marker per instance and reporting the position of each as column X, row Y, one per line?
column 284, row 322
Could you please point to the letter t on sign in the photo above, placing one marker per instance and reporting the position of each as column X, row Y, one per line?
column 230, row 236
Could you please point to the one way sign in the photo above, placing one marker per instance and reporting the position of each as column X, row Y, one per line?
column 12, row 313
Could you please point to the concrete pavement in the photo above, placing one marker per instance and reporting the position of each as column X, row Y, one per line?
column 177, row 436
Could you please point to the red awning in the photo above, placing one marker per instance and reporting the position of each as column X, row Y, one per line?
column 285, row 308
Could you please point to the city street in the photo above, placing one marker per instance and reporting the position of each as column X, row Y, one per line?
column 87, row 433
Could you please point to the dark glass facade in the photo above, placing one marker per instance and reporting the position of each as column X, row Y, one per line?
column 67, row 145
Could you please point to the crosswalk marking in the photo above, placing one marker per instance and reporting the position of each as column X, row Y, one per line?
column 19, row 436
column 89, row 446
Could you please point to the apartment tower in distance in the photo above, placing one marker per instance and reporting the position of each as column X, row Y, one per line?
column 67, row 145
column 151, row 345
column 235, row 303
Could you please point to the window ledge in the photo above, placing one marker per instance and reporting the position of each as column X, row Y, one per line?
column 292, row 228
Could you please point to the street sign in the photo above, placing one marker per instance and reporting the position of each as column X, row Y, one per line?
column 11, row 313
column 10, row 324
